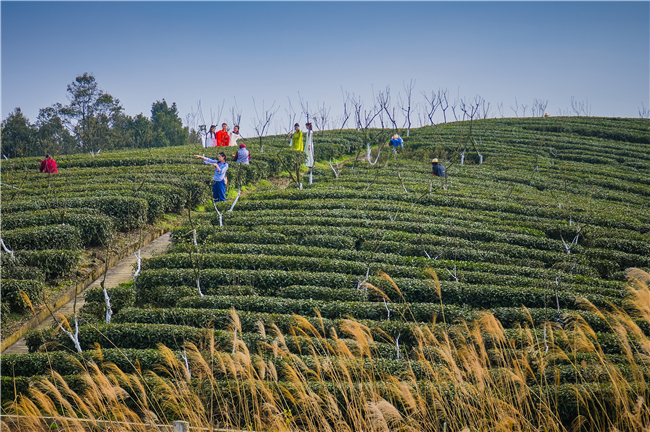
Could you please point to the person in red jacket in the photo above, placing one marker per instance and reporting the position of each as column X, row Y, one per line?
column 223, row 138
column 48, row 165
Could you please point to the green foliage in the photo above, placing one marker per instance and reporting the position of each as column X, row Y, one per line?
column 95, row 229
column 129, row 213
column 52, row 263
column 43, row 237
column 11, row 294
column 122, row 296
column 18, row 135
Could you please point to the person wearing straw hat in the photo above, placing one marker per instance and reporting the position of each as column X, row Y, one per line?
column 437, row 169
column 396, row 141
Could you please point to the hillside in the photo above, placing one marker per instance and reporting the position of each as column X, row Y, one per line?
column 541, row 214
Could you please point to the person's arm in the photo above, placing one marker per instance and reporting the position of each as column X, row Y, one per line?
column 42, row 167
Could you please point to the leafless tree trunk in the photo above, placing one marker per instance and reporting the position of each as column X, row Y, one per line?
column 500, row 109
column 405, row 105
column 443, row 100
column 235, row 114
column 432, row 105
column 539, row 107
column 383, row 99
column 262, row 120
column 218, row 114
column 580, row 108
column 453, row 107
column 470, row 109
column 346, row 109
column 644, row 112
column 485, row 109
column 304, row 105
column 291, row 117
column 515, row 109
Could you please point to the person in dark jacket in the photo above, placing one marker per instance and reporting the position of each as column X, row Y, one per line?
column 437, row 169
column 48, row 166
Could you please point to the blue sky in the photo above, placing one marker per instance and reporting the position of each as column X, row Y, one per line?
column 186, row 52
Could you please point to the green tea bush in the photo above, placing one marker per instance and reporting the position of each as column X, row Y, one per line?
column 11, row 296
column 43, row 237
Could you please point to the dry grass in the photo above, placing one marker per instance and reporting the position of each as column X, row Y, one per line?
column 471, row 379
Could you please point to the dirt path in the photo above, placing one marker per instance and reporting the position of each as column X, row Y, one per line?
column 119, row 273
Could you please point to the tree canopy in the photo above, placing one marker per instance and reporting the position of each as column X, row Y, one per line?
column 92, row 120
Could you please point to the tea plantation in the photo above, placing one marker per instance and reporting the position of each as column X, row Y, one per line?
column 542, row 214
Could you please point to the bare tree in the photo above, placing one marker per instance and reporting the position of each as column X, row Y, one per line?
column 383, row 100
column 304, row 105
column 539, row 107
column 291, row 117
column 485, row 109
column 432, row 105
column 500, row 109
column 346, row 109
column 363, row 120
column 405, row 105
column 443, row 98
column 420, row 114
column 580, row 108
column 453, row 106
column 644, row 112
column 470, row 108
column 218, row 114
column 235, row 114
column 262, row 120
column 515, row 109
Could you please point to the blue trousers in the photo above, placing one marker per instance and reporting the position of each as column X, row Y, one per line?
column 219, row 191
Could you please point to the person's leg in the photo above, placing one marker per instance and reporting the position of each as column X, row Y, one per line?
column 221, row 190
column 215, row 191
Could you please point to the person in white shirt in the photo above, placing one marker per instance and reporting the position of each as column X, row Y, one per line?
column 211, row 137
column 234, row 136
column 309, row 146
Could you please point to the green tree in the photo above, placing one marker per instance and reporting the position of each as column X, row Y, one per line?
column 18, row 135
column 52, row 135
column 167, row 126
column 90, row 114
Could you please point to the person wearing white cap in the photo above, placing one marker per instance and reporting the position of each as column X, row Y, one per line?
column 437, row 169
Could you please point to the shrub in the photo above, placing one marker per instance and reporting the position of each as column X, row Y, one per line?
column 45, row 237
column 121, row 296
column 53, row 263
column 11, row 296
column 129, row 213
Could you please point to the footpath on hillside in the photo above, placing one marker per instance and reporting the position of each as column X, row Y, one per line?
column 120, row 273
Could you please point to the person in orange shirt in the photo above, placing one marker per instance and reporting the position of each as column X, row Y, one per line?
column 223, row 138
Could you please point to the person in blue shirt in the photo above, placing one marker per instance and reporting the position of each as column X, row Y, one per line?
column 396, row 141
column 219, row 180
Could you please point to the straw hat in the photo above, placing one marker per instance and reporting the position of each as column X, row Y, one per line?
column 434, row 160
